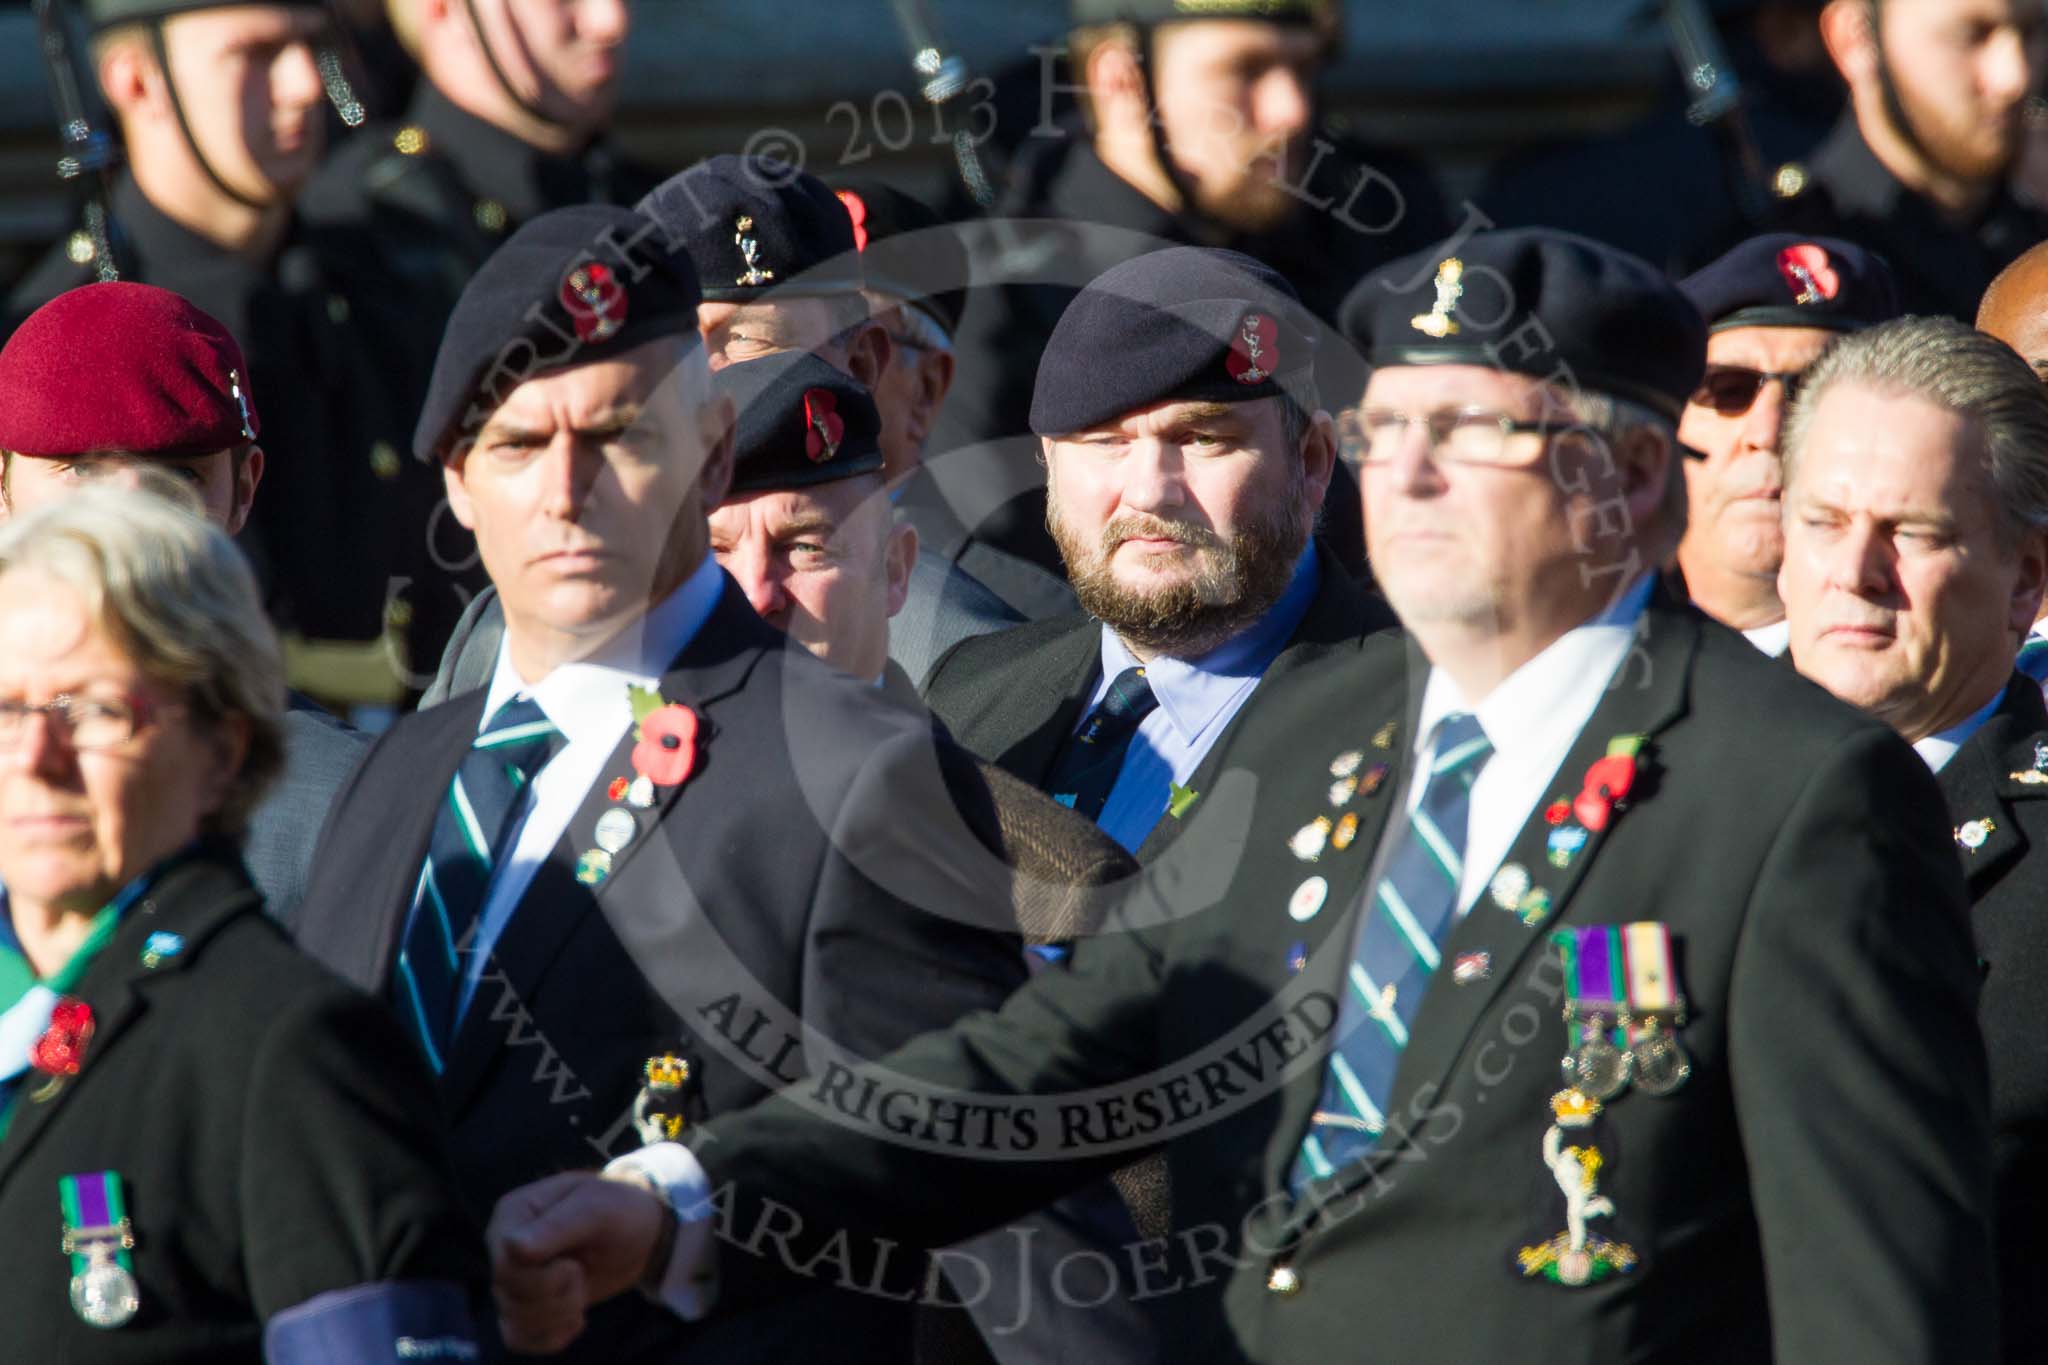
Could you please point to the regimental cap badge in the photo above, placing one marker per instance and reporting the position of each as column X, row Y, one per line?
column 595, row 301
column 1808, row 273
column 750, row 252
column 241, row 404
column 1255, row 350
column 824, row 428
column 1438, row 322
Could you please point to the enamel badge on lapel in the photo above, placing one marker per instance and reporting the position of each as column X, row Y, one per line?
column 1342, row 790
column 1346, row 763
column 1308, row 898
column 1971, row 834
column 1308, row 841
column 1383, row 738
column 161, row 948
column 615, row 829
column 1347, row 830
column 1471, row 967
column 98, row 1238
column 2036, row 775
column 1510, row 886
column 664, row 755
column 658, row 1108
column 60, row 1050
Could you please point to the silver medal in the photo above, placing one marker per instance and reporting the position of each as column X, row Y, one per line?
column 104, row 1294
column 1598, row 1068
column 1661, row 1064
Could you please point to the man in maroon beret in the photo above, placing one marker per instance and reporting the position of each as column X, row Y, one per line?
column 107, row 380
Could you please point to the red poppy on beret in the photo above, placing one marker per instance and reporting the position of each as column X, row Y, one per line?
column 123, row 367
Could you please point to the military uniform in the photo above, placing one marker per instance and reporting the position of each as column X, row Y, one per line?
column 1843, row 190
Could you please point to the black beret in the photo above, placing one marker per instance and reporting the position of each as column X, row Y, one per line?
column 907, row 250
column 1540, row 302
column 104, row 14
column 1171, row 11
column 574, row 285
column 1785, row 281
column 1181, row 324
column 753, row 226
column 800, row 421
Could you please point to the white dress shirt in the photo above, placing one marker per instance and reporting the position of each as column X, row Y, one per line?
column 1938, row 749
column 1532, row 717
column 1773, row 639
column 587, row 701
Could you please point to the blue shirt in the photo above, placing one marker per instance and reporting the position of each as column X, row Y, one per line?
column 1198, row 698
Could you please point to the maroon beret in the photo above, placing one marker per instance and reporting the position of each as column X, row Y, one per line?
column 123, row 367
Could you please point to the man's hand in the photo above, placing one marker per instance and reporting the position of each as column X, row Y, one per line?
column 563, row 1244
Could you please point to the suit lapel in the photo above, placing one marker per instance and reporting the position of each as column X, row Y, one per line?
column 193, row 900
column 442, row 752
column 1049, row 702
column 713, row 667
column 1991, row 770
column 1641, row 701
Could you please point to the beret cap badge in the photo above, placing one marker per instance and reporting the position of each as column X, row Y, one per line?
column 824, row 429
column 241, row 404
column 1808, row 274
column 1254, row 349
column 750, row 252
column 595, row 301
column 1438, row 322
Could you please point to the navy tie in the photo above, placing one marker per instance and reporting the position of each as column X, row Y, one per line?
column 1088, row 766
column 472, row 831
column 1399, row 938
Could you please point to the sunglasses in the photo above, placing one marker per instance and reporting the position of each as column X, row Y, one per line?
column 1730, row 389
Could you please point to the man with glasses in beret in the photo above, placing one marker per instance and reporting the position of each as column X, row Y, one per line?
column 170, row 391
column 662, row 859
column 1563, row 818
column 1772, row 305
column 221, row 114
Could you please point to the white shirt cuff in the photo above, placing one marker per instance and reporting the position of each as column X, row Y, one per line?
column 689, row 1287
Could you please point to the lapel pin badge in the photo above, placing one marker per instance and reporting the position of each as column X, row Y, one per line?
column 1972, row 833
column 161, row 947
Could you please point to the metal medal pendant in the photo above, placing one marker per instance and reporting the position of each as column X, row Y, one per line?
column 1661, row 1064
column 1598, row 1068
column 105, row 1294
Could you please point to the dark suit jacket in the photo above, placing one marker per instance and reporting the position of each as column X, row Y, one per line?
column 2008, row 876
column 1014, row 697
column 319, row 754
column 1817, row 1192
column 822, row 870
column 274, row 1133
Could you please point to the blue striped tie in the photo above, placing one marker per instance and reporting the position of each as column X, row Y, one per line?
column 1402, row 929
column 473, row 829
column 1088, row 768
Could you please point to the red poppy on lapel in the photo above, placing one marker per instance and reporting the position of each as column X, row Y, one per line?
column 1607, row 782
column 667, row 751
column 62, row 1047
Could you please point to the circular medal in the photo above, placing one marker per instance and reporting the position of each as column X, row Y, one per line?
column 1598, row 1068
column 615, row 829
column 1660, row 1065
column 104, row 1294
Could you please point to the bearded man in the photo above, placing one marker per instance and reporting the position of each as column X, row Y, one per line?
column 1920, row 168
column 1186, row 461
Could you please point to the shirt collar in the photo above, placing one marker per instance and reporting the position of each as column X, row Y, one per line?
column 1773, row 639
column 587, row 699
column 1193, row 692
column 1938, row 749
column 1520, row 710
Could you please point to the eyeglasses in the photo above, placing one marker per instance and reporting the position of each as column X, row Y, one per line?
column 88, row 722
column 1462, row 436
column 1730, row 389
